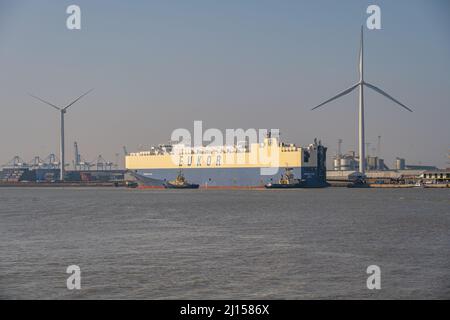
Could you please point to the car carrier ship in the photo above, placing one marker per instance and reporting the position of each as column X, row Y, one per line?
column 241, row 165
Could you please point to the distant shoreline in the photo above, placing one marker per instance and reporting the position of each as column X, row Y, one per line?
column 121, row 184
column 60, row 184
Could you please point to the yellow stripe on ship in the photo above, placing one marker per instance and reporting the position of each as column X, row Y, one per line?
column 269, row 155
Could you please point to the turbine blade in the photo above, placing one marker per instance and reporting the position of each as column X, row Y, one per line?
column 376, row 89
column 77, row 99
column 343, row 93
column 46, row 102
column 361, row 56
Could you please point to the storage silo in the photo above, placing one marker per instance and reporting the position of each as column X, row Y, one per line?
column 400, row 163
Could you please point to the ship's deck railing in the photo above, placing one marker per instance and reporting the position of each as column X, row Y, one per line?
column 182, row 152
column 205, row 151
column 180, row 149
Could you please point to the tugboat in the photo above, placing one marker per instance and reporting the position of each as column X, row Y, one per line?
column 131, row 184
column 180, row 183
column 287, row 181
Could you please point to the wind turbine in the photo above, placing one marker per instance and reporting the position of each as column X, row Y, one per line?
column 360, row 85
column 62, row 111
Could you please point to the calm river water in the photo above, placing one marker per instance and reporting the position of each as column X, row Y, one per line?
column 204, row 244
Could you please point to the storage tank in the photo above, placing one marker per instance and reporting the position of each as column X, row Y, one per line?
column 380, row 164
column 372, row 163
column 400, row 164
column 346, row 164
column 337, row 164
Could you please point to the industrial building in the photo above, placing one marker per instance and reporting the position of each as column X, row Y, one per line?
column 345, row 168
column 436, row 177
column 350, row 161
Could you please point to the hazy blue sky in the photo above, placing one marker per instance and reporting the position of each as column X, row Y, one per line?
column 160, row 65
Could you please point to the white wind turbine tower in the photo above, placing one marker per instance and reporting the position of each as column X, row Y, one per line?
column 62, row 111
column 360, row 85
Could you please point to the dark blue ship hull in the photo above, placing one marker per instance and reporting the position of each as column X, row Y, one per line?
column 226, row 177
